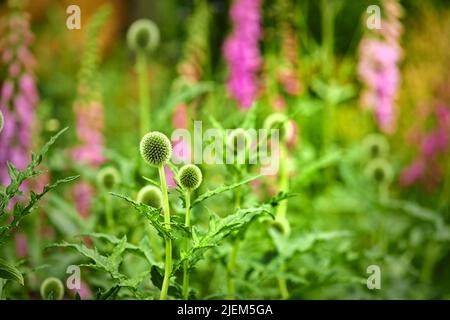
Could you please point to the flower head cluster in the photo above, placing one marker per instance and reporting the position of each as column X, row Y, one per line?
column 143, row 35
column 19, row 95
column 242, row 53
column 190, row 177
column 379, row 56
column 150, row 196
column 52, row 289
column 156, row 148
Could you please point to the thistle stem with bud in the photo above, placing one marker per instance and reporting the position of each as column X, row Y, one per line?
column 187, row 224
column 190, row 177
column 144, row 94
column 168, row 263
column 156, row 150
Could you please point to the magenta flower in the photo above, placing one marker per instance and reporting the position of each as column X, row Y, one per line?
column 21, row 245
column 379, row 57
column 181, row 152
column 89, row 121
column 19, row 96
column 241, row 51
column 180, row 116
column 84, row 291
column 434, row 144
column 83, row 193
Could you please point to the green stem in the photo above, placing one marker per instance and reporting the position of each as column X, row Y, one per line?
column 231, row 269
column 283, row 287
column 187, row 223
column 283, row 186
column 281, row 212
column 168, row 263
column 109, row 212
column 144, row 95
column 328, row 16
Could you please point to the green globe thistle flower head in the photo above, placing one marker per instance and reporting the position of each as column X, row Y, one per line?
column 150, row 196
column 239, row 140
column 1, row 121
column 156, row 148
column 190, row 177
column 108, row 178
column 143, row 35
column 280, row 121
column 375, row 146
column 380, row 171
column 52, row 289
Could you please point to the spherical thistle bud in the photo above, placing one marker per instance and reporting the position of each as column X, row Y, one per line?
column 150, row 196
column 108, row 178
column 190, row 177
column 375, row 146
column 143, row 35
column 1, row 121
column 239, row 140
column 380, row 171
column 156, row 148
column 280, row 121
column 52, row 289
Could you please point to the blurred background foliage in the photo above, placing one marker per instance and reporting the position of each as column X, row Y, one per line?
column 340, row 221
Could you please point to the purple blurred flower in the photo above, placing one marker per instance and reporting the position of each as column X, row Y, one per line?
column 378, row 68
column 83, row 193
column 89, row 121
column 241, row 50
column 21, row 245
column 19, row 96
column 181, row 153
column 84, row 291
column 433, row 145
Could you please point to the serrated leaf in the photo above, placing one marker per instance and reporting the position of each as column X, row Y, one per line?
column 153, row 182
column 222, row 189
column 153, row 215
column 217, row 231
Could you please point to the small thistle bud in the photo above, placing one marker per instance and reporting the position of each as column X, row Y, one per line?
column 52, row 289
column 380, row 171
column 280, row 121
column 1, row 121
column 239, row 140
column 156, row 148
column 150, row 196
column 190, row 177
column 375, row 146
column 108, row 178
column 143, row 35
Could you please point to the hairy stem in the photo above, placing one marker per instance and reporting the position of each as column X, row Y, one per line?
column 144, row 94
column 168, row 263
column 109, row 212
column 231, row 287
column 187, row 223
column 282, row 285
column 283, row 186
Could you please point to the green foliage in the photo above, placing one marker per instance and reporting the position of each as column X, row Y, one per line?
column 218, row 230
column 154, row 216
column 18, row 177
column 9, row 272
column 220, row 190
column 109, row 263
